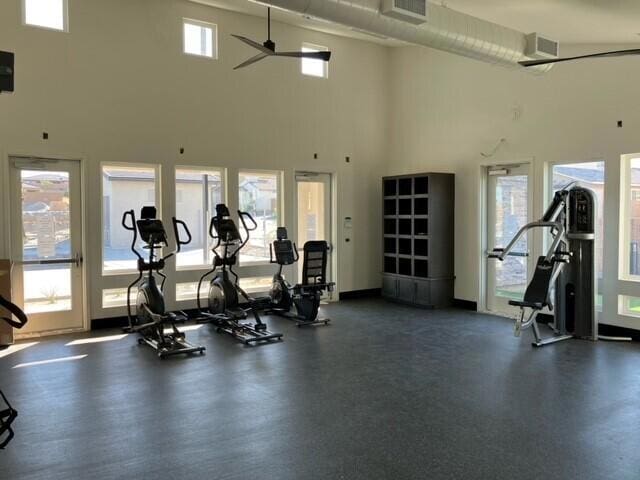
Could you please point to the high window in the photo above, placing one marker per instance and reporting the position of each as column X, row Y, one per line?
column 200, row 38
column 311, row 66
column 259, row 194
column 124, row 188
column 50, row 14
column 198, row 192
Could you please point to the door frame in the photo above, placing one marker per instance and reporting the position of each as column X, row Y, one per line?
column 333, row 222
column 483, row 184
column 6, row 236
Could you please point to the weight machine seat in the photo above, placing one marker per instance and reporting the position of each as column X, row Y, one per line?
column 536, row 296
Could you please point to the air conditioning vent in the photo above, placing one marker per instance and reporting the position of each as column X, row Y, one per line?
column 413, row 11
column 541, row 47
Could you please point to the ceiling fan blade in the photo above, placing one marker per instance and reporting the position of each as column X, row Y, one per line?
column 616, row 53
column 324, row 56
column 252, row 60
column 253, row 44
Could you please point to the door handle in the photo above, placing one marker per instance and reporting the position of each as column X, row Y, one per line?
column 77, row 260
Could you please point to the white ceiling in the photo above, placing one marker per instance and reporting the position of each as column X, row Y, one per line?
column 569, row 21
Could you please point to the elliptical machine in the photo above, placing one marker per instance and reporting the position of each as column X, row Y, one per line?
column 224, row 309
column 9, row 414
column 151, row 318
column 300, row 302
column 568, row 266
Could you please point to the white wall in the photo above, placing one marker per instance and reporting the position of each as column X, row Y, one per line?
column 448, row 109
column 117, row 88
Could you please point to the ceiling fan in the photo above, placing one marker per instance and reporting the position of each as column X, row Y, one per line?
column 616, row 53
column 268, row 49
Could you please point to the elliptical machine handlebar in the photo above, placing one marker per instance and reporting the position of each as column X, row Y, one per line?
column 176, row 232
column 132, row 214
column 16, row 311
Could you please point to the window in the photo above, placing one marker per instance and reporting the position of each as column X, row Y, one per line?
column 630, row 218
column 259, row 194
column 313, row 67
column 629, row 306
column 189, row 291
column 117, row 297
column 45, row 14
column 123, row 188
column 591, row 176
column 197, row 194
column 200, row 38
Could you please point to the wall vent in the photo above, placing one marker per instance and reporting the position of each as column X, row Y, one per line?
column 541, row 47
column 413, row 11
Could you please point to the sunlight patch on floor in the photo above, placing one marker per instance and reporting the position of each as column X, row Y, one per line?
column 53, row 360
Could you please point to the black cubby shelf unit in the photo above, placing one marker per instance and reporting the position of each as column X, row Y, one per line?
column 418, row 228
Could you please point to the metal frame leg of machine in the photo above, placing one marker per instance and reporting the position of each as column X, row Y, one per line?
column 7, row 416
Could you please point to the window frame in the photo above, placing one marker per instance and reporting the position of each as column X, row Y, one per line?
column 65, row 18
column 325, row 65
column 279, row 201
column 198, row 168
column 158, row 204
column 214, row 38
column 624, row 230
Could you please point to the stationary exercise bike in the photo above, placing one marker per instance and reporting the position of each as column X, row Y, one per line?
column 300, row 302
column 224, row 308
column 151, row 319
column 9, row 414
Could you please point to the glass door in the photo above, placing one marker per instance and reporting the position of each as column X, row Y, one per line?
column 507, row 211
column 46, row 243
column 313, row 212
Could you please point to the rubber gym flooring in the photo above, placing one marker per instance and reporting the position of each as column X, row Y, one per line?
column 385, row 392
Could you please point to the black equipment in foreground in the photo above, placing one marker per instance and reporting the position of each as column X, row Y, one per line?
column 302, row 301
column 268, row 49
column 6, row 71
column 224, row 308
column 569, row 266
column 151, row 320
column 9, row 414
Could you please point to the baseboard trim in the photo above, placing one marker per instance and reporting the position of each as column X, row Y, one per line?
column 465, row 304
column 371, row 292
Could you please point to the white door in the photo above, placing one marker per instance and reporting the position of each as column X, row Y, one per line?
column 46, row 243
column 313, row 212
column 508, row 207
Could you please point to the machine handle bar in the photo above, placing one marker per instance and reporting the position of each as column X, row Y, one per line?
column 176, row 231
column 131, row 214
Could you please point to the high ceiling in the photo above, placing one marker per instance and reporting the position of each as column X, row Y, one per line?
column 569, row 21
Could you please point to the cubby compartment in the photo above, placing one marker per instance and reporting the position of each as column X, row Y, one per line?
column 389, row 226
column 390, row 207
column 389, row 264
column 421, row 206
column 390, row 245
column 404, row 246
column 420, row 247
column 404, row 206
column 420, row 226
column 421, row 185
column 421, row 268
column 404, row 186
column 404, row 266
column 404, row 226
column 390, row 188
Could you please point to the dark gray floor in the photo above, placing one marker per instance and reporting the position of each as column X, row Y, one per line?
column 386, row 392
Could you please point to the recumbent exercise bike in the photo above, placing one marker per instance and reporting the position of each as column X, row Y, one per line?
column 224, row 308
column 151, row 318
column 9, row 414
column 300, row 302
